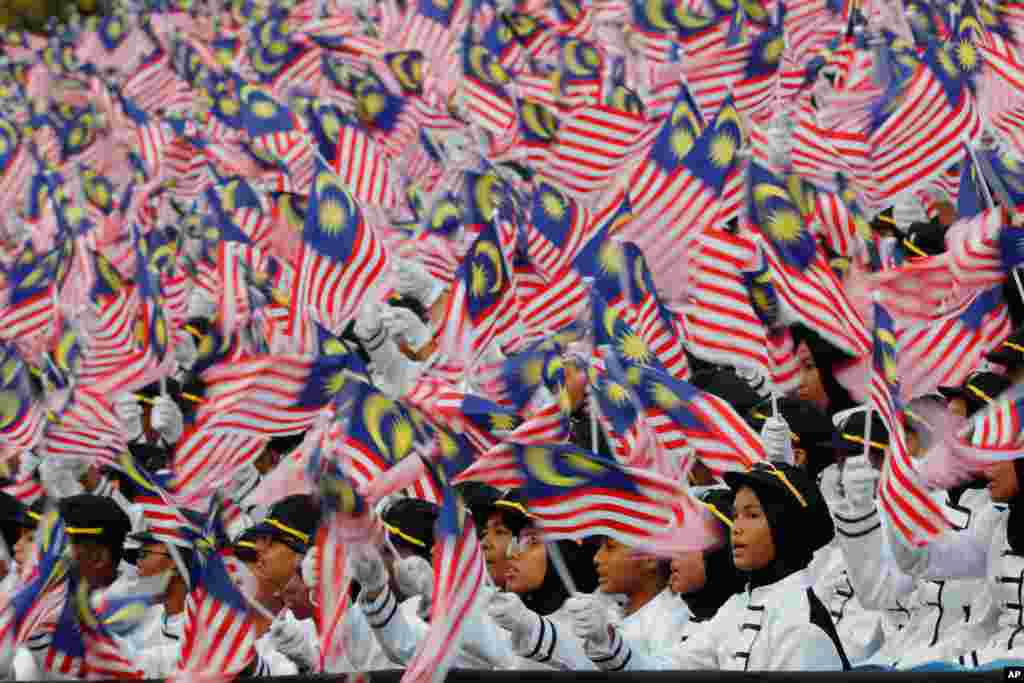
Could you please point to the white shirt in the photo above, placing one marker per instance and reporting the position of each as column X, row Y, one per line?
column 658, row 625
column 768, row 628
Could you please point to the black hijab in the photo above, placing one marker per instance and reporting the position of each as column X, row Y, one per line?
column 1015, row 524
column 552, row 593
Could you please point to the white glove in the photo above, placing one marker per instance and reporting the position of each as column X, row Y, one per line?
column 200, row 305
column 185, row 352
column 756, row 380
column 406, row 326
column 291, row 640
column 62, row 477
column 778, row 443
column 413, row 280
column 415, row 576
column 369, row 570
column 310, row 576
column 509, row 612
column 167, row 419
column 589, row 620
column 369, row 327
column 129, row 412
column 859, row 481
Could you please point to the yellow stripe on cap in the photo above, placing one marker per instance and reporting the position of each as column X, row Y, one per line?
column 719, row 514
column 191, row 329
column 885, row 219
column 84, row 531
column 404, row 536
column 518, row 507
column 979, row 393
column 789, row 485
column 860, row 439
column 287, row 529
column 913, row 247
column 246, row 544
column 1016, row 347
column 34, row 515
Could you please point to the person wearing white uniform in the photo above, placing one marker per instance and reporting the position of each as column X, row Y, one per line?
column 777, row 623
column 652, row 616
column 993, row 549
column 401, row 624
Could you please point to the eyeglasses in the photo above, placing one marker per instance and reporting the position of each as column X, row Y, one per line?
column 521, row 543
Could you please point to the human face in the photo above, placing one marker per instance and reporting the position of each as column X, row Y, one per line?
column 811, row 388
column 495, row 542
column 23, row 548
column 276, row 563
column 527, row 563
column 154, row 559
column 752, row 544
column 95, row 563
column 1003, row 485
column 958, row 406
column 689, row 574
column 619, row 569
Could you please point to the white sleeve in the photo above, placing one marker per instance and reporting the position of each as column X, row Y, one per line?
column 953, row 555
column 553, row 643
column 398, row 636
column 485, row 640
column 696, row 651
column 804, row 648
column 877, row 581
column 362, row 643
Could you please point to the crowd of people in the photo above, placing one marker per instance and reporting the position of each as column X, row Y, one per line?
column 296, row 292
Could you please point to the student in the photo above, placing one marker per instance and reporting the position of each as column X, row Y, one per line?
column 777, row 623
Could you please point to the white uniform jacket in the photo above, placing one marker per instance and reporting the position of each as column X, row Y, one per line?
column 651, row 630
column 768, row 628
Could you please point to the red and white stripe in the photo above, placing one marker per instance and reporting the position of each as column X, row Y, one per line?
column 367, row 173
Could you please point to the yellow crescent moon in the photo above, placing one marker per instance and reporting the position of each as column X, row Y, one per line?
column 755, row 10
column 571, row 61
column 267, row 34
column 571, row 9
column 64, row 349
column 262, row 66
column 887, row 337
column 406, row 78
column 610, row 318
column 798, row 193
column 690, row 21
column 443, row 211
column 490, row 250
column 10, row 369
column 483, row 192
column 652, row 10
column 375, row 409
column 109, row 273
column 477, row 55
column 683, row 110
column 538, row 120
column 729, row 115
column 540, row 464
column 638, row 274
column 763, row 191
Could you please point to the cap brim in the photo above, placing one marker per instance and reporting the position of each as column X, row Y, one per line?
column 951, row 392
column 754, row 479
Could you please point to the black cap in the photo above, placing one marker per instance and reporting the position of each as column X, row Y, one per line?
column 851, row 431
column 884, row 221
column 812, row 430
column 282, row 445
column 925, row 239
column 726, row 384
column 978, row 390
column 720, row 501
column 1009, row 354
column 244, row 546
column 794, row 500
column 292, row 521
column 13, row 518
column 514, row 511
column 95, row 518
column 410, row 524
column 480, row 499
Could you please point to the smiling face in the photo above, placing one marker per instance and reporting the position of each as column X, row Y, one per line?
column 752, row 544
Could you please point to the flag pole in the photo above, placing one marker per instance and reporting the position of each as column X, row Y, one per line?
column 558, row 562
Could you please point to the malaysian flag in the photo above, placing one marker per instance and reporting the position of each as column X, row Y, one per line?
column 23, row 417
column 485, row 89
column 340, row 254
column 915, row 515
column 458, row 576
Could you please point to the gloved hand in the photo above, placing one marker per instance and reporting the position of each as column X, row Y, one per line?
column 200, row 305
column 167, row 419
column 185, row 352
column 412, row 279
column 405, row 326
column 291, row 640
column 369, row 570
column 589, row 620
column 778, row 441
column 62, row 477
column 129, row 412
column 756, row 380
column 415, row 576
column 509, row 612
column 310, row 575
column 859, row 481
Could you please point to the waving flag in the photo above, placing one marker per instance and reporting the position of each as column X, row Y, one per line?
column 23, row 417
column 915, row 515
column 340, row 254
